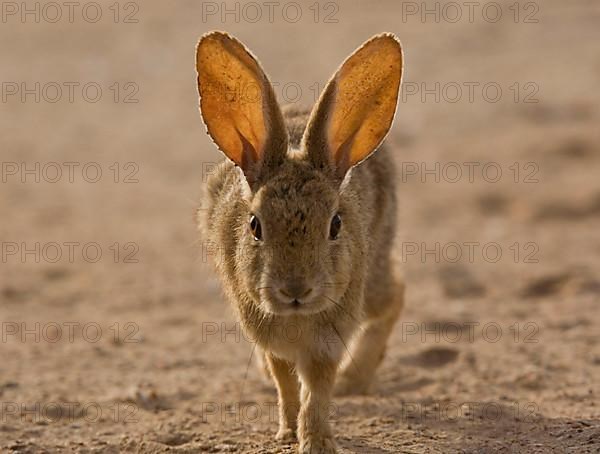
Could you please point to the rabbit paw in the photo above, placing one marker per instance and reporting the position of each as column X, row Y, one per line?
column 317, row 445
column 286, row 434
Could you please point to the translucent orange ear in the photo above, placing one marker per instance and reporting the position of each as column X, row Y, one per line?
column 357, row 107
column 238, row 105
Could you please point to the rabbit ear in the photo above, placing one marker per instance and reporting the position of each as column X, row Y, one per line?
column 357, row 107
column 238, row 105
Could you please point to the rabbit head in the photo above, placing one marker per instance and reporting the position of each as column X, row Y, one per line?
column 299, row 232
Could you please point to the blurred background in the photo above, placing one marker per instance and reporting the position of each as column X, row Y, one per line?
column 114, row 333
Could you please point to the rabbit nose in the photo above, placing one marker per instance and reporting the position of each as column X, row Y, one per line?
column 295, row 291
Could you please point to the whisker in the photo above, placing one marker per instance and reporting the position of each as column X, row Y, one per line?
column 344, row 310
column 346, row 347
column 263, row 317
column 246, row 373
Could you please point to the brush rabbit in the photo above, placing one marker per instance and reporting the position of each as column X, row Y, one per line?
column 305, row 223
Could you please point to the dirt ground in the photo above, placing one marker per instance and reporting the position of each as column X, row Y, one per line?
column 115, row 334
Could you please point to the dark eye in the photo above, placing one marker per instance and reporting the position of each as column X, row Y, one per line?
column 255, row 228
column 334, row 228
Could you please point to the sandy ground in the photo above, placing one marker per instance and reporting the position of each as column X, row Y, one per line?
column 137, row 351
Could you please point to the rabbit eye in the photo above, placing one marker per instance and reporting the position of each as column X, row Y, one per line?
column 334, row 228
column 255, row 228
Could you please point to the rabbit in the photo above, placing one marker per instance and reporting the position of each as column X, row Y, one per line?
column 303, row 214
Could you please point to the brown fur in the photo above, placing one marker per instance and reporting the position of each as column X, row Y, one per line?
column 356, row 297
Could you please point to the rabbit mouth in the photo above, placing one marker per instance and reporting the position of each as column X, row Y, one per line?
column 296, row 308
column 280, row 304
